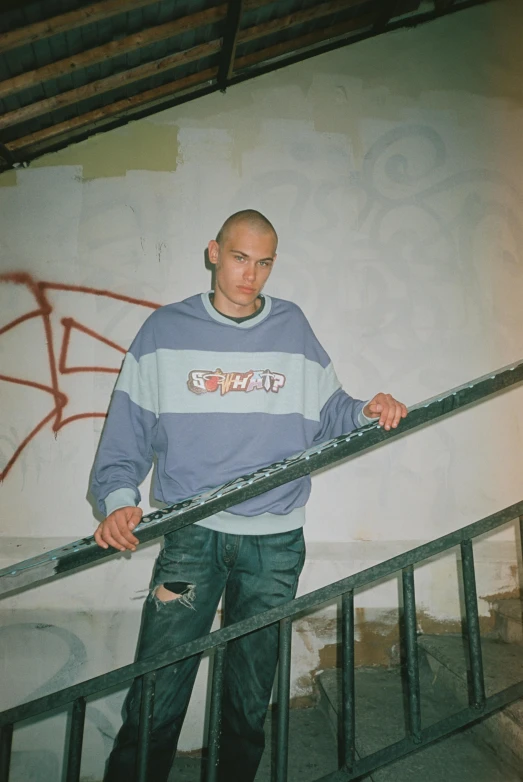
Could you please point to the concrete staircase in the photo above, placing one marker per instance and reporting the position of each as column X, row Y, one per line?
column 491, row 751
column 508, row 615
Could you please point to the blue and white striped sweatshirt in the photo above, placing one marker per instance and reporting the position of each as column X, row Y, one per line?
column 213, row 399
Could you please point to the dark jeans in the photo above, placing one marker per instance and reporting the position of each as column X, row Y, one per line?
column 257, row 573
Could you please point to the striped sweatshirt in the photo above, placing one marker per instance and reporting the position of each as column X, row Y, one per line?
column 212, row 399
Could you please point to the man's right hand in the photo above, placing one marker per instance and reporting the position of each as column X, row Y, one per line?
column 117, row 529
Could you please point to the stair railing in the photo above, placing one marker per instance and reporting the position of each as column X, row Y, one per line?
column 85, row 551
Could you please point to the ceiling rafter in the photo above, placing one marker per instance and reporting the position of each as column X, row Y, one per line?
column 97, row 12
column 155, row 67
column 311, row 14
column 101, row 86
column 127, row 105
column 304, row 41
column 230, row 38
column 124, row 107
column 234, row 43
column 126, row 45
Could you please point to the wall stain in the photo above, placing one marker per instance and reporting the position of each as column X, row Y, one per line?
column 377, row 642
column 142, row 146
column 8, row 178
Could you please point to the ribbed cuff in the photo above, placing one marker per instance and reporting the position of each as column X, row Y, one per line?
column 364, row 420
column 120, row 498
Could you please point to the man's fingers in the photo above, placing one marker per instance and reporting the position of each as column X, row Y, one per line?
column 389, row 410
column 123, row 522
column 116, row 530
column 134, row 520
column 98, row 537
column 387, row 417
column 114, row 537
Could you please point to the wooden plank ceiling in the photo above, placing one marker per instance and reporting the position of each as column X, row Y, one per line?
column 70, row 68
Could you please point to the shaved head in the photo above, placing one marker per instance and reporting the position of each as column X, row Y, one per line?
column 249, row 218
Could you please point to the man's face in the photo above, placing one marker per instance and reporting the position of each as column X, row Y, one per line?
column 243, row 262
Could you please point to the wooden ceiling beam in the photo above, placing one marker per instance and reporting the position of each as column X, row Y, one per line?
column 55, row 25
column 299, row 17
column 124, row 46
column 113, row 49
column 230, row 38
column 146, row 70
column 304, row 42
column 113, row 82
column 119, row 109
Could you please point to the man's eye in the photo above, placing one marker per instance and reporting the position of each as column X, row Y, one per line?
column 238, row 257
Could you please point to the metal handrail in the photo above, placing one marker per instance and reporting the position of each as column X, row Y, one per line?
column 217, row 640
column 291, row 608
column 74, row 556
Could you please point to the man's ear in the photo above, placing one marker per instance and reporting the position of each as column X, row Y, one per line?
column 214, row 248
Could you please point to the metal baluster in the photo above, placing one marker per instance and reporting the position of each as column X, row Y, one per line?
column 6, row 739
column 348, row 736
column 146, row 719
column 411, row 650
column 284, row 678
column 76, row 738
column 215, row 717
column 472, row 618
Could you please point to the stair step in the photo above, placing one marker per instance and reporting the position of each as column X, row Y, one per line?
column 380, row 721
column 313, row 751
column 503, row 666
column 508, row 613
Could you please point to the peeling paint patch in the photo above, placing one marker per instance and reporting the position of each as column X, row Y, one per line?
column 8, row 179
column 509, row 594
column 377, row 638
column 139, row 146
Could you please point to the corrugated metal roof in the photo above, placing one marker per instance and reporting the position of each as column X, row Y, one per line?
column 70, row 68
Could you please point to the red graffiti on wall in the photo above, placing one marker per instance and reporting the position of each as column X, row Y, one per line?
column 58, row 364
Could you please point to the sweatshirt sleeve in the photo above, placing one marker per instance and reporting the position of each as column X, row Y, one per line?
column 125, row 453
column 337, row 411
column 341, row 414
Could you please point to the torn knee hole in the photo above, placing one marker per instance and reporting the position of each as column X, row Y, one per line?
column 164, row 594
column 176, row 590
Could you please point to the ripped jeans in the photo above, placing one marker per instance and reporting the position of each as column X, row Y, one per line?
column 257, row 572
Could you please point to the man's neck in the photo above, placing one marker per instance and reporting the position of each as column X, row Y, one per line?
column 231, row 310
column 239, row 318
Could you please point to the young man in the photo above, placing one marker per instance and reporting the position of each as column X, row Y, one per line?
column 216, row 386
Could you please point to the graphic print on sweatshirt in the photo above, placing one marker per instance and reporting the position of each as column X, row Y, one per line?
column 206, row 381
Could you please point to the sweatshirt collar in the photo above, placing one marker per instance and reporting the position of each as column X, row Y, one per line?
column 247, row 324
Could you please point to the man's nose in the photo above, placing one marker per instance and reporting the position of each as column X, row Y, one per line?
column 249, row 273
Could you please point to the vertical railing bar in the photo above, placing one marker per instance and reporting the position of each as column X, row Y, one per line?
column 76, row 739
column 146, row 721
column 348, row 723
column 6, row 740
column 411, row 652
column 215, row 715
column 284, row 679
column 472, row 619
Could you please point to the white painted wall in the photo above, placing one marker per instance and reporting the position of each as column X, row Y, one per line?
column 392, row 171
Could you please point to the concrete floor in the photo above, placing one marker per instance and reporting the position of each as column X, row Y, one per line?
column 380, row 721
column 312, row 751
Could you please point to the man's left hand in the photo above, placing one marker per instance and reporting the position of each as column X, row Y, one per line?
column 388, row 409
